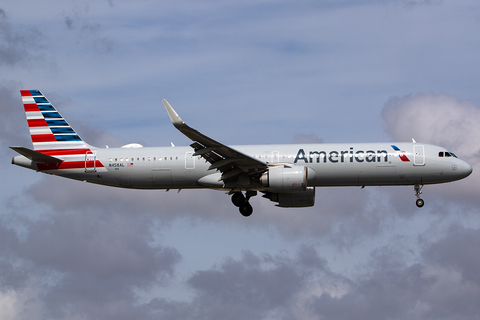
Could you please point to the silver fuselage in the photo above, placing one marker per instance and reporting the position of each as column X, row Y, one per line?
column 352, row 164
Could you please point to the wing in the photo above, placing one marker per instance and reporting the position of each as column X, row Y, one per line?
column 231, row 163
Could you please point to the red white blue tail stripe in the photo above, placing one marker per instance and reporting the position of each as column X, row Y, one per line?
column 52, row 135
column 48, row 128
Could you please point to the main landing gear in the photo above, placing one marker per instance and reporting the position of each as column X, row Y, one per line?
column 241, row 201
column 418, row 192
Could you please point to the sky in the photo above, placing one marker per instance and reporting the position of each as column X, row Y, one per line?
column 241, row 72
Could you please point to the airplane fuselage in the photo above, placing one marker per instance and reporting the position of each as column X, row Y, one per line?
column 365, row 164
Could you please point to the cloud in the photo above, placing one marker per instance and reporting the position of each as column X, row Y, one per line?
column 251, row 287
column 440, row 119
column 340, row 222
column 16, row 46
column 303, row 287
column 88, row 33
column 437, row 118
column 437, row 287
column 88, row 263
column 443, row 284
column 458, row 251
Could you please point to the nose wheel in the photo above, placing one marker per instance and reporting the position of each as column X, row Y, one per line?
column 242, row 202
column 418, row 192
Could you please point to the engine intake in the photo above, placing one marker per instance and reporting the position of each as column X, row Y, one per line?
column 285, row 179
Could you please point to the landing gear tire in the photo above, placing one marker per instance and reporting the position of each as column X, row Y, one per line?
column 238, row 199
column 246, row 209
column 419, row 203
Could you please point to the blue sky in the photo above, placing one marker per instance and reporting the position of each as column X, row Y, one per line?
column 242, row 72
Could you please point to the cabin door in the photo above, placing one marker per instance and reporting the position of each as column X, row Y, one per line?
column 90, row 165
column 418, row 155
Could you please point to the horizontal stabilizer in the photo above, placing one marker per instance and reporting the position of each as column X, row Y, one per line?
column 36, row 156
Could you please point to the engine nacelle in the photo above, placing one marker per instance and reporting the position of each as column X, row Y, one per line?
column 285, row 179
column 293, row 200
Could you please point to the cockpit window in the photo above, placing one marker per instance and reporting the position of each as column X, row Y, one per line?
column 446, row 154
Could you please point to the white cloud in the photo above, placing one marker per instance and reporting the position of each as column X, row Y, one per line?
column 8, row 305
column 436, row 118
column 440, row 119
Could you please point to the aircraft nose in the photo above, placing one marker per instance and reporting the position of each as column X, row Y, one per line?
column 467, row 169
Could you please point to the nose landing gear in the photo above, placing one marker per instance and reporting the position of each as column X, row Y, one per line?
column 240, row 201
column 418, row 192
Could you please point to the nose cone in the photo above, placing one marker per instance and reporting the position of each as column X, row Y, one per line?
column 467, row 169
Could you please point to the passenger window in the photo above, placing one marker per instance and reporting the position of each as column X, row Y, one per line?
column 148, row 158
column 143, row 159
column 176, row 158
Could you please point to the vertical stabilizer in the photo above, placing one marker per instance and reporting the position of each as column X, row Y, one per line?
column 48, row 129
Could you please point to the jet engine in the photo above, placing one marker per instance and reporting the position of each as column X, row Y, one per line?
column 284, row 179
column 293, row 200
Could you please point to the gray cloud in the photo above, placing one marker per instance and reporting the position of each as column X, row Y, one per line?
column 441, row 287
column 16, row 45
column 303, row 287
column 87, row 32
column 458, row 251
column 252, row 287
column 88, row 263
column 341, row 222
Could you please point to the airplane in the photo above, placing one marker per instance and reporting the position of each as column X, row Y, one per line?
column 286, row 174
